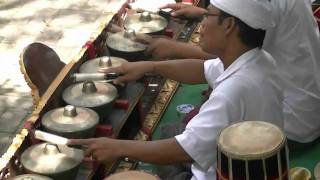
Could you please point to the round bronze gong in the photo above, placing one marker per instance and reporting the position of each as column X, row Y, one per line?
column 93, row 65
column 71, row 122
column 31, row 177
column 124, row 41
column 90, row 94
column 49, row 159
column 145, row 22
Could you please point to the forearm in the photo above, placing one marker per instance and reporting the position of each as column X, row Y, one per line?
column 189, row 71
column 158, row 152
column 190, row 51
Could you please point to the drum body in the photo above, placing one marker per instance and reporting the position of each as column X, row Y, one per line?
column 252, row 150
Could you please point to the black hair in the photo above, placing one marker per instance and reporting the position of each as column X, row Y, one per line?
column 249, row 36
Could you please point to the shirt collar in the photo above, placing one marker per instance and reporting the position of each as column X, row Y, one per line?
column 237, row 64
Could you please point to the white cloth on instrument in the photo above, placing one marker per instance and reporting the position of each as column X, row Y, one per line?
column 255, row 13
column 151, row 6
column 295, row 45
column 249, row 89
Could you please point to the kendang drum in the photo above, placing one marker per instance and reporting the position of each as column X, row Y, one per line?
column 132, row 175
column 252, row 150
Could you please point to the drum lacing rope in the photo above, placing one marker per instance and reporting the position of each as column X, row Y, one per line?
column 223, row 178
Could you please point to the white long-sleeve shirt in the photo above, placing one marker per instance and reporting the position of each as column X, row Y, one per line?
column 295, row 44
column 249, row 89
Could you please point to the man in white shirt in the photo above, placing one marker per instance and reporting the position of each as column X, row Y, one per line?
column 294, row 43
column 249, row 89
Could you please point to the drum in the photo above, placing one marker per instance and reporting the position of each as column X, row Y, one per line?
column 132, row 175
column 252, row 150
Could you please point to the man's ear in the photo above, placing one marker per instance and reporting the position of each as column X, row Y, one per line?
column 229, row 25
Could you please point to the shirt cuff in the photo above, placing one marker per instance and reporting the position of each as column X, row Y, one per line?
column 189, row 144
column 212, row 70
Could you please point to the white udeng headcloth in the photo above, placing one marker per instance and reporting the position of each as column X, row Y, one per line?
column 255, row 13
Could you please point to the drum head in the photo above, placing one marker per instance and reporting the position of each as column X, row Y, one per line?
column 132, row 175
column 251, row 140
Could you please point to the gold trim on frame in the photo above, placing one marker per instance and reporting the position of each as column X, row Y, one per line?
column 153, row 117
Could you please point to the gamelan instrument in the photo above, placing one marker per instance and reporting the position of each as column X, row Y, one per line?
column 146, row 22
column 58, row 162
column 105, row 62
column 31, row 177
column 123, row 44
column 71, row 122
column 91, row 94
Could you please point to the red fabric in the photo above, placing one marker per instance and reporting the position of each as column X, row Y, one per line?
column 169, row 32
column 104, row 131
column 317, row 16
column 187, row 1
column 28, row 125
column 195, row 111
column 220, row 175
column 147, row 131
column 121, row 103
column 190, row 115
column 91, row 50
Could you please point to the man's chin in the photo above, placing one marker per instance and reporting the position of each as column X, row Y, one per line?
column 204, row 48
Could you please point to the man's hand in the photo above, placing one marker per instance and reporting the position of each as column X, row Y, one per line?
column 115, row 28
column 106, row 150
column 143, row 38
column 130, row 71
column 161, row 48
column 188, row 11
column 103, row 150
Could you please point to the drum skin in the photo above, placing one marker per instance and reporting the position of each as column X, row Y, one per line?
column 252, row 150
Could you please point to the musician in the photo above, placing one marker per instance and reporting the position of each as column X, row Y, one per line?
column 248, row 88
column 294, row 43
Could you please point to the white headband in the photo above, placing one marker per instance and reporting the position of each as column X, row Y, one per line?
column 255, row 13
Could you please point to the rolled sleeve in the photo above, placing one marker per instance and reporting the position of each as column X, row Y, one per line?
column 200, row 137
column 188, row 142
column 212, row 70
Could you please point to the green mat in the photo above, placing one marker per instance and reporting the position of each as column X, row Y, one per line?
column 186, row 94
